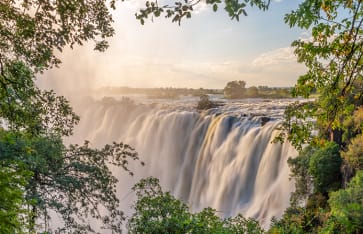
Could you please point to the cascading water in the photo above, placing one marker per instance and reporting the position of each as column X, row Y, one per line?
column 221, row 158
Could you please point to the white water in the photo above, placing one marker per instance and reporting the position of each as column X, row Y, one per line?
column 222, row 158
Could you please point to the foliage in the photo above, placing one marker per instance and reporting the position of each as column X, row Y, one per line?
column 184, row 9
column 354, row 154
column 240, row 224
column 299, row 167
column 62, row 179
column 342, row 213
column 324, row 167
column 347, row 207
column 316, row 171
column 297, row 125
column 252, row 91
column 353, row 125
column 333, row 57
column 25, row 107
column 269, row 92
column 13, row 179
column 159, row 212
column 31, row 31
column 295, row 220
column 73, row 182
column 156, row 211
column 235, row 89
column 30, row 34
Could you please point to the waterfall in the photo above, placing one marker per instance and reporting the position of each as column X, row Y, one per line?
column 221, row 158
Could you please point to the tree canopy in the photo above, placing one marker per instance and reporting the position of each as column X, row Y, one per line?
column 183, row 9
column 235, row 89
column 31, row 30
column 157, row 211
column 333, row 56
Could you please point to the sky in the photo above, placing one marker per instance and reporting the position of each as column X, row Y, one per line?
column 206, row 51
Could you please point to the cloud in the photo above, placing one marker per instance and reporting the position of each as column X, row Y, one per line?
column 200, row 7
column 278, row 56
column 133, row 4
column 278, row 67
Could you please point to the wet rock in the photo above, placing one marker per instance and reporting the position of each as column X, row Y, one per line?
column 264, row 120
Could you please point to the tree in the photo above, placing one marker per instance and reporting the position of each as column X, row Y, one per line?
column 294, row 220
column 354, row 155
column 324, row 167
column 12, row 203
column 333, row 56
column 235, row 89
column 30, row 34
column 299, row 167
column 347, row 207
column 23, row 107
column 75, row 182
column 157, row 211
column 252, row 92
column 184, row 9
column 32, row 30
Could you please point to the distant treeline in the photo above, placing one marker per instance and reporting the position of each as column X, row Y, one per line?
column 164, row 93
column 237, row 90
column 175, row 93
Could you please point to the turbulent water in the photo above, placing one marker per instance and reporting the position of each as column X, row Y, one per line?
column 221, row 158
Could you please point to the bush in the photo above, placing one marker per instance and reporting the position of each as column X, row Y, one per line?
column 159, row 212
column 354, row 155
column 156, row 211
column 324, row 166
column 347, row 207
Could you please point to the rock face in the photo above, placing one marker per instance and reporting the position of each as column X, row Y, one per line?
column 264, row 120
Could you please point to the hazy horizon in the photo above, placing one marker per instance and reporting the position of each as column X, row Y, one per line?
column 206, row 51
column 172, row 87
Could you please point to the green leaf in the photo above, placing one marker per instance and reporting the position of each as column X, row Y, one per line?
column 215, row 7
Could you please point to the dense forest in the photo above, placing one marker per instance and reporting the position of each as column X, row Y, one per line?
column 40, row 175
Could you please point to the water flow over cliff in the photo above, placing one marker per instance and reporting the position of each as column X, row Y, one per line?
column 220, row 158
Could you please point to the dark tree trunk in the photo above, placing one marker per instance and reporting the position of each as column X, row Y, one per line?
column 336, row 135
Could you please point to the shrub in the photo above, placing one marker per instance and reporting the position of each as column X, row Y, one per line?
column 324, row 166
